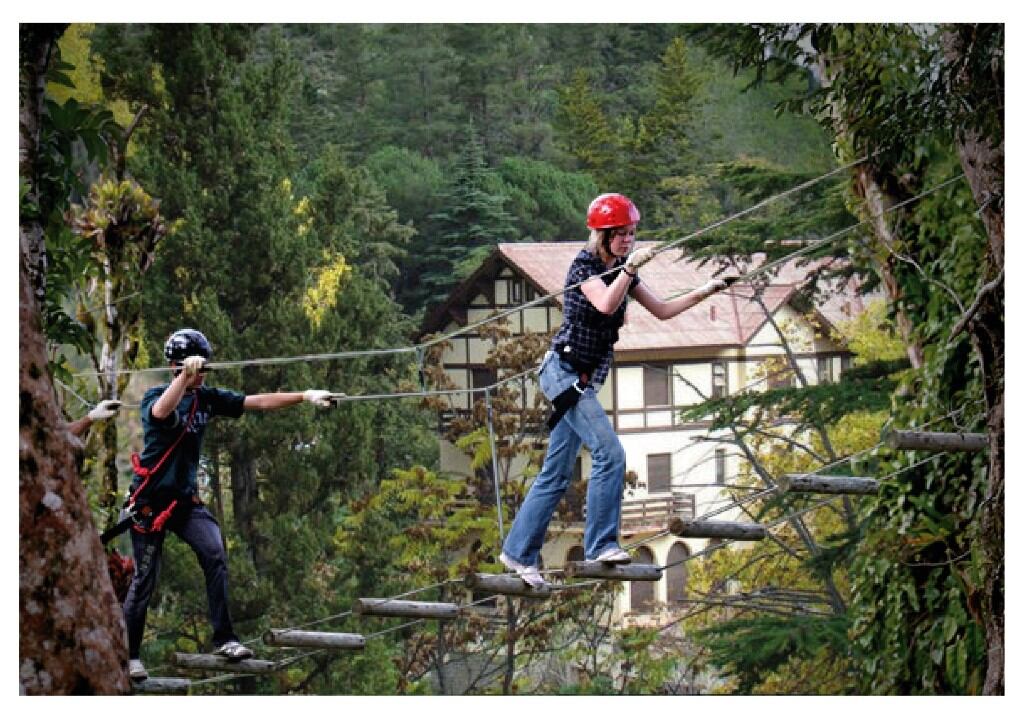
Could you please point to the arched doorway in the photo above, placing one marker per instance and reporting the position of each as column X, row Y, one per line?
column 641, row 593
column 677, row 575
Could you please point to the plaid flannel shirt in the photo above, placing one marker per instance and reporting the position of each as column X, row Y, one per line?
column 590, row 333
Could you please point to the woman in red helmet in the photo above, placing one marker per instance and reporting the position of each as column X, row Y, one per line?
column 571, row 375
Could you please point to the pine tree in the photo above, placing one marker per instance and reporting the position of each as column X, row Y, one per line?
column 471, row 222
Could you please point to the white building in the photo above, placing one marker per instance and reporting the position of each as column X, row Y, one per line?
column 719, row 347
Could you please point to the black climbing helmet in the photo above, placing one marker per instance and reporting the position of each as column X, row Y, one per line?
column 186, row 343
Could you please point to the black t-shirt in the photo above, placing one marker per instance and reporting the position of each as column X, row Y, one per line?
column 176, row 478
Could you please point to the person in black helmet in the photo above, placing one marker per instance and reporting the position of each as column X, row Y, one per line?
column 163, row 495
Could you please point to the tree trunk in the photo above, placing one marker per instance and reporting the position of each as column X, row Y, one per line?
column 109, row 503
column 35, row 47
column 244, row 499
column 71, row 632
column 876, row 201
column 71, row 635
column 982, row 159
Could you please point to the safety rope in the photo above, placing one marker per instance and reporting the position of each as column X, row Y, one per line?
column 438, row 340
column 419, row 347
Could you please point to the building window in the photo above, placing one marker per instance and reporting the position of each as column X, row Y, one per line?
column 659, row 473
column 824, row 370
column 656, row 386
column 719, row 380
column 531, row 293
column 676, row 574
column 641, row 593
column 780, row 376
column 482, row 377
column 719, row 466
column 516, row 290
column 846, row 362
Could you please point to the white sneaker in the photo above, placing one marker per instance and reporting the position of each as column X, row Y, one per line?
column 614, row 555
column 137, row 671
column 233, row 651
column 530, row 574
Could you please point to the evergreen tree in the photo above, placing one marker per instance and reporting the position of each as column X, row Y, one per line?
column 265, row 272
column 548, row 203
column 471, row 221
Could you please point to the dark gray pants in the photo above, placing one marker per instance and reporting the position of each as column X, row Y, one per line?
column 194, row 525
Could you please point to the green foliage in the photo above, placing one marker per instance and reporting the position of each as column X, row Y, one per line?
column 750, row 649
column 73, row 140
column 916, row 616
column 470, row 216
column 301, row 158
column 248, row 230
column 412, row 183
column 813, row 405
column 547, row 203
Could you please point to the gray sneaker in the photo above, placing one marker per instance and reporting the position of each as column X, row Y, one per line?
column 233, row 651
column 614, row 555
column 530, row 574
column 137, row 671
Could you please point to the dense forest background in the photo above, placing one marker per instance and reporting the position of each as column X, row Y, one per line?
column 307, row 189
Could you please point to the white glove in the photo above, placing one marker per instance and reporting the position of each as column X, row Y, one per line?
column 318, row 397
column 193, row 365
column 639, row 258
column 104, row 410
column 712, row 286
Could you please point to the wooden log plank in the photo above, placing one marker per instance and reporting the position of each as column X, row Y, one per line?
column 314, row 639
column 717, row 529
column 505, row 584
column 934, row 440
column 209, row 662
column 162, row 685
column 404, row 609
column 616, row 572
column 818, row 484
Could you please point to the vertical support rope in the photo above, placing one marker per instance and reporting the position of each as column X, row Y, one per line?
column 494, row 464
column 419, row 366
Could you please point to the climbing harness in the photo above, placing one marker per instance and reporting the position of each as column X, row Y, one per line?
column 144, row 518
column 571, row 396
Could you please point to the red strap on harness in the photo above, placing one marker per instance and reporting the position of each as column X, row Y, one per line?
column 146, row 474
column 161, row 519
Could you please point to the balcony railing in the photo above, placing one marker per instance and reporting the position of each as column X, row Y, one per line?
column 653, row 513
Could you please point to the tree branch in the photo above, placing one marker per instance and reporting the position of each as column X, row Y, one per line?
column 964, row 320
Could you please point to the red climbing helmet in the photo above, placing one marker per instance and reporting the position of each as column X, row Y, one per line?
column 612, row 210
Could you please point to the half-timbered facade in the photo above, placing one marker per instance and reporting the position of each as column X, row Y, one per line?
column 726, row 344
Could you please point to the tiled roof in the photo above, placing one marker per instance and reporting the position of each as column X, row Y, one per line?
column 727, row 319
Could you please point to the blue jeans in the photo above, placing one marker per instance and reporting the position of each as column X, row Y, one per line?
column 195, row 526
column 586, row 423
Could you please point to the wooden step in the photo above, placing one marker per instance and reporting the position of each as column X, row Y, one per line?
column 313, row 639
column 738, row 530
column 819, row 484
column 611, row 571
column 209, row 662
column 506, row 584
column 404, row 609
column 161, row 685
column 934, row 440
